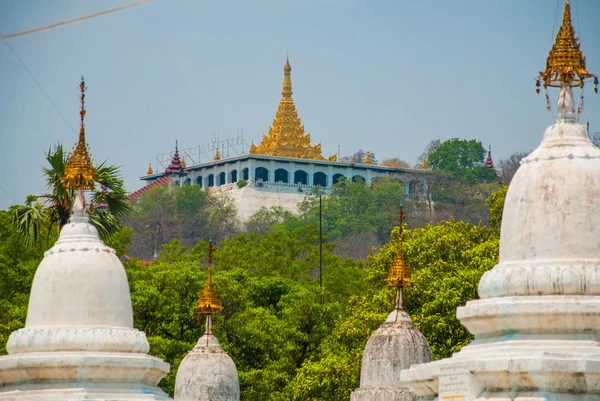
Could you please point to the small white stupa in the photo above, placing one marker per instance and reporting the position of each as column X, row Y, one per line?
column 537, row 323
column 207, row 373
column 79, row 342
column 396, row 345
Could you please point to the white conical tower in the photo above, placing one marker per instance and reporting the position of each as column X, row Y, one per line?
column 79, row 342
column 536, row 324
column 207, row 373
column 397, row 344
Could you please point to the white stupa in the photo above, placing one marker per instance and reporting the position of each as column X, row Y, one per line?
column 396, row 345
column 536, row 325
column 207, row 373
column 79, row 342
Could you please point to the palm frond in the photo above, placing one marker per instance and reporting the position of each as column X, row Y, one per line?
column 29, row 221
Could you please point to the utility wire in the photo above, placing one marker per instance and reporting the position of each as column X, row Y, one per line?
column 39, row 85
column 45, row 27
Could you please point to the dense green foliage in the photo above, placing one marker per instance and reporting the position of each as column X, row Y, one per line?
column 186, row 213
column 462, row 159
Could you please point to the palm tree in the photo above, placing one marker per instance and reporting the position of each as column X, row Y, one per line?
column 108, row 203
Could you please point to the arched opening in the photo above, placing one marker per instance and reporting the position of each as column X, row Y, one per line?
column 222, row 179
column 188, row 181
column 320, row 179
column 211, row 180
column 245, row 174
column 200, row 181
column 301, row 177
column 414, row 188
column 261, row 174
column 358, row 178
column 281, row 175
column 338, row 179
column 233, row 176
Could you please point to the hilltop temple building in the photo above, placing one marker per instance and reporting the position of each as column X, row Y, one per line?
column 281, row 169
column 537, row 322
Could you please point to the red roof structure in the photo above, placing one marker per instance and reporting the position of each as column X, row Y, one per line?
column 135, row 196
column 488, row 161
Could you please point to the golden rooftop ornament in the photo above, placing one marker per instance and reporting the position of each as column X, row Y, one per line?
column 150, row 171
column 286, row 136
column 217, row 155
column 424, row 165
column 368, row 158
column 208, row 302
column 399, row 274
column 565, row 64
column 79, row 171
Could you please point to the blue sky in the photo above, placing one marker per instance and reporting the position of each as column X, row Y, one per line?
column 385, row 76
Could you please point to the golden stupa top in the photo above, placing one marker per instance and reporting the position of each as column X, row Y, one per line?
column 183, row 161
column 80, row 173
column 217, row 155
column 368, row 158
column 208, row 302
column 286, row 136
column 399, row 274
column 150, row 171
column 424, row 165
column 565, row 63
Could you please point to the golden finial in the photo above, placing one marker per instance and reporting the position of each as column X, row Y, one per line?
column 424, row 165
column 79, row 170
column 399, row 274
column 183, row 161
column 150, row 171
column 333, row 158
column 208, row 302
column 565, row 64
column 368, row 158
column 217, row 155
column 286, row 136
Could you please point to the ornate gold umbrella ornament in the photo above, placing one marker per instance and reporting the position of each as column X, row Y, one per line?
column 565, row 64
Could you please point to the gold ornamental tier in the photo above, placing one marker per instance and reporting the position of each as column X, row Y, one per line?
column 286, row 136
column 565, row 63
column 80, row 173
column 400, row 273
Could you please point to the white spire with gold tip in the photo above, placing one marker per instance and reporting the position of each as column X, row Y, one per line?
column 79, row 342
column 536, row 322
column 397, row 344
column 207, row 373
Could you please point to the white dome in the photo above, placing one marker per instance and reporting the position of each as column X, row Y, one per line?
column 396, row 345
column 207, row 373
column 550, row 233
column 79, row 342
column 79, row 298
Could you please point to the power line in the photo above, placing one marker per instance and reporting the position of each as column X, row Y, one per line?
column 39, row 85
column 57, row 24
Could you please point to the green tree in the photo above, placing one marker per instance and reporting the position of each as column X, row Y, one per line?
column 495, row 202
column 463, row 159
column 54, row 208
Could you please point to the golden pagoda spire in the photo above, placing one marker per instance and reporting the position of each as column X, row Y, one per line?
column 208, row 302
column 217, row 155
column 150, row 171
column 368, row 158
column 183, row 161
column 79, row 171
column 399, row 275
column 424, row 165
column 286, row 137
column 565, row 65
